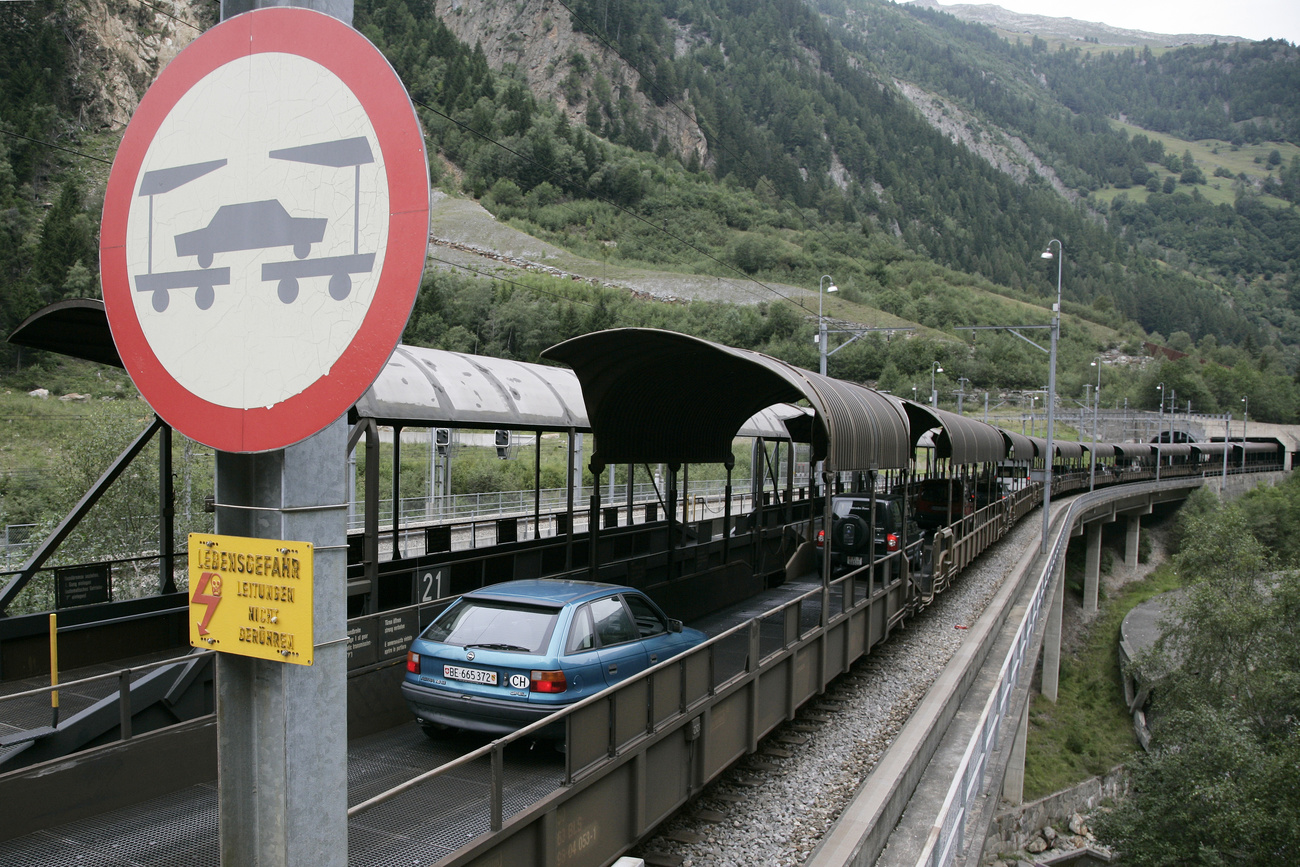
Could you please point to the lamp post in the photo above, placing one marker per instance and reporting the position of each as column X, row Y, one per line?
column 1160, row 427
column 1096, row 409
column 934, row 395
column 1051, row 388
column 1173, row 408
column 821, row 323
column 1245, row 421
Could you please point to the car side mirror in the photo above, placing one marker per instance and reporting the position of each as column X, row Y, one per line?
column 674, row 625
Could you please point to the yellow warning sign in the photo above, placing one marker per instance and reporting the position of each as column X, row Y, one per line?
column 252, row 597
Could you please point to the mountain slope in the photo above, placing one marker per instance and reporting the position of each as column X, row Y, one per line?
column 921, row 161
column 1067, row 29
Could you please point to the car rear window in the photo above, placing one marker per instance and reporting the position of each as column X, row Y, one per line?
column 860, row 506
column 497, row 625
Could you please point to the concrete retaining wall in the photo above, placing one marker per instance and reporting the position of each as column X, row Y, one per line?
column 1013, row 829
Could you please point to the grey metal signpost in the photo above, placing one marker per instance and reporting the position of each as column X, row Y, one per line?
column 282, row 729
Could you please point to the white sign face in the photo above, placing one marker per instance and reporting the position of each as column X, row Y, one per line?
column 271, row 255
column 265, row 228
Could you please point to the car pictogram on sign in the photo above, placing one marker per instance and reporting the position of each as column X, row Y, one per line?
column 251, row 226
column 261, row 225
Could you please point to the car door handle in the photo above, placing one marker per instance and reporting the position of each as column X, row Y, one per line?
column 654, row 657
column 613, row 668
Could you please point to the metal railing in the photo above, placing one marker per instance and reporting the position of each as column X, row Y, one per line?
column 947, row 835
column 460, row 508
column 26, row 715
column 692, row 677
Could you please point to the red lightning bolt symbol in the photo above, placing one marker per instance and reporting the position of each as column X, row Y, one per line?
column 208, row 599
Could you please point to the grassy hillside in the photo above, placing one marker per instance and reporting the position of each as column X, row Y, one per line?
column 1251, row 160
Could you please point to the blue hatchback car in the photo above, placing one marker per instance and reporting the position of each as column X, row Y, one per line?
column 509, row 654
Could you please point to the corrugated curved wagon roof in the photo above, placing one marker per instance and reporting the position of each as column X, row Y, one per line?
column 782, row 421
column 1133, row 450
column 420, row 386
column 963, row 440
column 1062, row 448
column 1019, row 446
column 655, row 395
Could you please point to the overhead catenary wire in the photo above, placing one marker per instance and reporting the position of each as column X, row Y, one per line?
column 50, row 144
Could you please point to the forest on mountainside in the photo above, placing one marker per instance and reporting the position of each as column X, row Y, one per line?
column 816, row 164
column 775, row 122
column 48, row 225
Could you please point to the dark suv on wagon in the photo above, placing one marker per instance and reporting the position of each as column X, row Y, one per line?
column 851, row 524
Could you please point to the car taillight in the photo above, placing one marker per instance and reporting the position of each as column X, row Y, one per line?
column 821, row 538
column 548, row 681
column 413, row 662
column 891, row 542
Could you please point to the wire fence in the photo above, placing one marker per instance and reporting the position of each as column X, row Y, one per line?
column 704, row 500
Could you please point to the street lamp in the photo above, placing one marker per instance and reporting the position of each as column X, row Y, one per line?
column 821, row 323
column 1051, row 388
column 934, row 395
column 1245, row 419
column 1160, row 427
column 1096, row 408
column 1173, row 408
column 1173, row 396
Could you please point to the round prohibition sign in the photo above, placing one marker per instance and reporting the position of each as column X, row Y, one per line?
column 265, row 229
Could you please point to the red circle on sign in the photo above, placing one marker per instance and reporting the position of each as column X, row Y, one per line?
column 357, row 64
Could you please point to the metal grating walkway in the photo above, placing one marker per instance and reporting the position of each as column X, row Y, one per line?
column 180, row 829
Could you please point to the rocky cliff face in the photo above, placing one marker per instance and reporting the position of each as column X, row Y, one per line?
column 120, row 46
column 1005, row 152
column 536, row 37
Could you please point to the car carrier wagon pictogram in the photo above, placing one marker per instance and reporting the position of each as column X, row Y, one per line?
column 260, row 225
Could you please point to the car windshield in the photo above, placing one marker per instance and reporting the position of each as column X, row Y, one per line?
column 494, row 625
